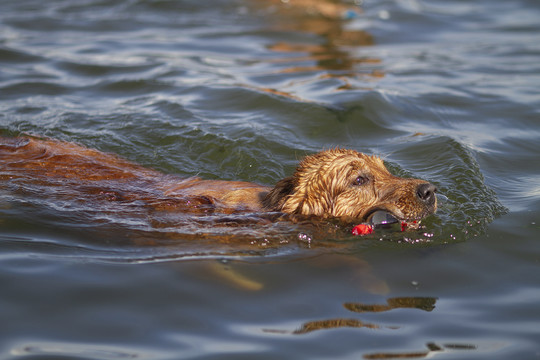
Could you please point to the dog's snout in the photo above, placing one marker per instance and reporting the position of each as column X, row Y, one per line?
column 426, row 192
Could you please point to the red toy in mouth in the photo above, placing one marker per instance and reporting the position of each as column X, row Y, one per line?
column 381, row 218
column 362, row 229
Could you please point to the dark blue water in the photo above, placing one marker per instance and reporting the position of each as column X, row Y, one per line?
column 447, row 91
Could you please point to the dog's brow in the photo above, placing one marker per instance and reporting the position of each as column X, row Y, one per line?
column 358, row 164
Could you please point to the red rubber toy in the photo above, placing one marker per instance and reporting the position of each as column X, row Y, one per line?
column 362, row 229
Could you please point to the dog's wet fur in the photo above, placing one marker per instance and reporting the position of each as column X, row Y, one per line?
column 335, row 183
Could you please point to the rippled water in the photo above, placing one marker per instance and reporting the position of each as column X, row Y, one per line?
column 445, row 90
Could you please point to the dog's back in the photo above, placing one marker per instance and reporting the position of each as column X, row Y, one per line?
column 96, row 175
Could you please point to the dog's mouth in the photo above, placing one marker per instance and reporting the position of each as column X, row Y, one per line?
column 382, row 217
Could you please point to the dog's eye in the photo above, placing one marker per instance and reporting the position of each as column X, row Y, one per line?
column 361, row 180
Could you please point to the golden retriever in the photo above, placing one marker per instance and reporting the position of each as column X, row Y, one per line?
column 335, row 183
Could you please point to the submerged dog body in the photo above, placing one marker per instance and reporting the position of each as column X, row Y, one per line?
column 334, row 183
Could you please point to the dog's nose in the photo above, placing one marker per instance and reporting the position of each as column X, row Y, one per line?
column 426, row 192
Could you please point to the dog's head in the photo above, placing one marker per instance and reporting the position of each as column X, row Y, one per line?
column 348, row 184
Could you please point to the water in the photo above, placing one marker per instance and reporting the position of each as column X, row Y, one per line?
column 443, row 90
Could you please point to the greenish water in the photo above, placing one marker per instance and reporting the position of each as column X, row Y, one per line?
column 445, row 90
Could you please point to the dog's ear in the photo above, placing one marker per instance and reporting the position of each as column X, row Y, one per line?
column 275, row 199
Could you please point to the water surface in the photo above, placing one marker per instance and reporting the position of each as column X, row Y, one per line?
column 445, row 90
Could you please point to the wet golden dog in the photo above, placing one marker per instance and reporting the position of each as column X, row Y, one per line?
column 334, row 183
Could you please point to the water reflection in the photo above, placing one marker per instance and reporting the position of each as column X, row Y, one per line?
column 334, row 54
column 419, row 303
column 333, row 324
column 431, row 349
